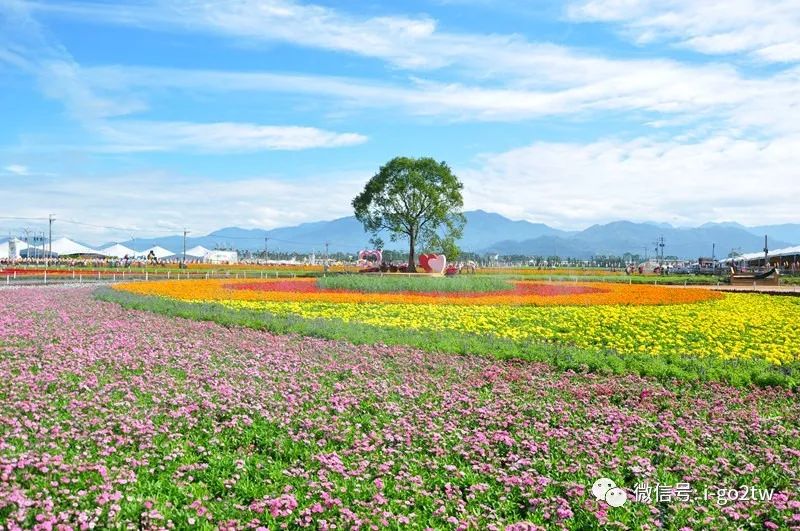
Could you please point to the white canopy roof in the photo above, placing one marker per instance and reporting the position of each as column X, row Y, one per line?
column 159, row 251
column 786, row 251
column 118, row 250
column 197, row 251
column 65, row 246
column 20, row 245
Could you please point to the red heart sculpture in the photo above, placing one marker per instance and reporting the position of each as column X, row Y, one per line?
column 423, row 262
column 432, row 263
column 437, row 263
column 367, row 255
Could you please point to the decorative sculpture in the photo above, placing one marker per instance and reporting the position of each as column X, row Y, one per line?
column 433, row 263
column 375, row 255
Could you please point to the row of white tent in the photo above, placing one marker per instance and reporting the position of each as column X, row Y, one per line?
column 777, row 253
column 68, row 247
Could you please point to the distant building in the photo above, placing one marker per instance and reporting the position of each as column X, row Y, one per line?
column 221, row 257
column 705, row 262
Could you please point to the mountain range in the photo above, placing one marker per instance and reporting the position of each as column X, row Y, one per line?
column 490, row 233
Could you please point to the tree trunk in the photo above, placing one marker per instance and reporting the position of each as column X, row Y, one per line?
column 411, row 267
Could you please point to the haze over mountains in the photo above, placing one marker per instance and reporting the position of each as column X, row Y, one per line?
column 486, row 232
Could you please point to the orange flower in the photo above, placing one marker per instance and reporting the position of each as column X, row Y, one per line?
column 599, row 293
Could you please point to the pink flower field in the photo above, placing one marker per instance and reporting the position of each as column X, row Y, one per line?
column 125, row 419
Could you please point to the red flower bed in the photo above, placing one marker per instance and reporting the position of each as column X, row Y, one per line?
column 520, row 288
column 39, row 272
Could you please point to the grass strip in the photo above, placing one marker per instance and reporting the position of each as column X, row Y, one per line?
column 425, row 284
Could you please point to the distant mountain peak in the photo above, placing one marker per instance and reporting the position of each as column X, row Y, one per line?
column 489, row 231
column 727, row 224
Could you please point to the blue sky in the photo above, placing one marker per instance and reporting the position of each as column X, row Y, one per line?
column 157, row 115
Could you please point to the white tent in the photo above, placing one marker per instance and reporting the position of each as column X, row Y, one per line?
column 787, row 251
column 197, row 252
column 65, row 246
column 221, row 257
column 118, row 250
column 159, row 251
column 777, row 253
column 18, row 244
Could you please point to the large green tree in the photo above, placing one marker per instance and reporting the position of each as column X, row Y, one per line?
column 418, row 199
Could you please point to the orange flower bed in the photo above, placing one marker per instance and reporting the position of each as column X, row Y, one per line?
column 526, row 293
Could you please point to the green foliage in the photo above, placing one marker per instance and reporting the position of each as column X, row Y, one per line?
column 419, row 199
column 739, row 372
column 443, row 245
column 390, row 283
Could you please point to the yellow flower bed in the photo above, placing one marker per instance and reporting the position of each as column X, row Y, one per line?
column 736, row 326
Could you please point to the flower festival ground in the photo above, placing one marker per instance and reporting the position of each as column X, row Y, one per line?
column 119, row 418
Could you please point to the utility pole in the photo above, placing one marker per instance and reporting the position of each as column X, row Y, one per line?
column 266, row 250
column 27, row 247
column 714, row 257
column 325, row 265
column 766, row 252
column 660, row 251
column 50, row 221
column 185, row 232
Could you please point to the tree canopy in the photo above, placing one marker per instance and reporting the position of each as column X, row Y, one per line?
column 418, row 199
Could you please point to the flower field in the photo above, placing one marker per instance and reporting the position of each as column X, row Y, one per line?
column 115, row 418
column 737, row 326
column 524, row 293
column 621, row 318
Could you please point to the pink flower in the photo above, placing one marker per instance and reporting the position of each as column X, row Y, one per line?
column 283, row 505
column 564, row 512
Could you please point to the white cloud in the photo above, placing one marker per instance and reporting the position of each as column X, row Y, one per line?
column 718, row 178
column 222, row 137
column 61, row 79
column 661, row 89
column 403, row 41
column 412, row 43
column 25, row 45
column 17, row 169
column 157, row 203
column 512, row 79
column 769, row 31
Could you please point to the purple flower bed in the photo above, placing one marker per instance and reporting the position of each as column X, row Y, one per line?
column 117, row 418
